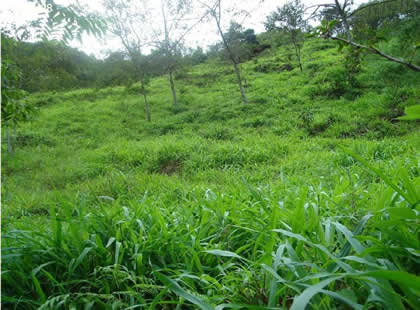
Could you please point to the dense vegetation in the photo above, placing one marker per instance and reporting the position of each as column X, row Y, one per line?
column 306, row 197
column 51, row 65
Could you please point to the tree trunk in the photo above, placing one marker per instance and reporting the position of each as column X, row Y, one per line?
column 14, row 133
column 9, row 142
column 168, row 53
column 147, row 108
column 241, row 88
column 297, row 51
column 300, row 63
column 234, row 62
column 146, row 104
column 171, row 80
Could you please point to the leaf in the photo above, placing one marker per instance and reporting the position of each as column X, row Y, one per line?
column 337, row 263
column 37, row 269
column 300, row 302
column 357, row 246
column 80, row 259
column 117, row 252
column 347, row 246
column 381, row 175
column 402, row 213
column 224, row 253
column 38, row 288
column 178, row 290
column 274, row 282
column 347, row 297
column 332, row 24
column 400, row 277
column 110, row 241
column 362, row 261
column 106, row 198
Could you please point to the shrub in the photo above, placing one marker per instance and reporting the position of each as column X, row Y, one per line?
column 218, row 133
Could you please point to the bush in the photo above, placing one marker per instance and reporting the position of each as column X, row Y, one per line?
column 218, row 133
column 272, row 67
column 334, row 83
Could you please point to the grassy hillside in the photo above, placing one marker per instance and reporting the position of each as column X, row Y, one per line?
column 216, row 203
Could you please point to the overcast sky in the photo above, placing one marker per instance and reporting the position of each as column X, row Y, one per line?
column 21, row 11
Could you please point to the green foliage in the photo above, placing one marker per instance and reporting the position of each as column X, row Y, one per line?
column 48, row 66
column 197, row 56
column 14, row 108
column 65, row 23
column 352, row 64
column 59, row 24
column 242, row 43
column 290, row 19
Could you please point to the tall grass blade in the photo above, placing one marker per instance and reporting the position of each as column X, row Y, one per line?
column 301, row 301
column 178, row 290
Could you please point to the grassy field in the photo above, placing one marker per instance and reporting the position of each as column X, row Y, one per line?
column 306, row 197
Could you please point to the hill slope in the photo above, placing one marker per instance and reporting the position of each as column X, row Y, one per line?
column 123, row 204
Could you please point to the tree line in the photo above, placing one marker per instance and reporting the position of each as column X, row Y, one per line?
column 53, row 65
column 152, row 48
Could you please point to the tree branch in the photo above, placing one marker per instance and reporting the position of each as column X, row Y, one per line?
column 378, row 52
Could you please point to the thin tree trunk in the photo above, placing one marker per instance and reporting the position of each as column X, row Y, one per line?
column 9, row 142
column 146, row 104
column 168, row 54
column 297, row 51
column 298, row 57
column 14, row 133
column 241, row 88
column 147, row 108
column 234, row 62
column 171, row 80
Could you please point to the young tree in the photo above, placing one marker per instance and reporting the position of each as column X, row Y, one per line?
column 215, row 10
column 169, row 46
column 242, row 42
column 197, row 56
column 127, row 21
column 290, row 19
column 178, row 18
column 14, row 109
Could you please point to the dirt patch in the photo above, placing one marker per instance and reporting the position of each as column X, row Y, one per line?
column 273, row 67
column 170, row 167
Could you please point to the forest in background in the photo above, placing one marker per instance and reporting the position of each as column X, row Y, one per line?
column 53, row 65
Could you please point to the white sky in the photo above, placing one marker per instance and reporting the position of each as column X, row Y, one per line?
column 21, row 11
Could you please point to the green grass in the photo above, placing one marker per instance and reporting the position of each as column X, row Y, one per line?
column 307, row 197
